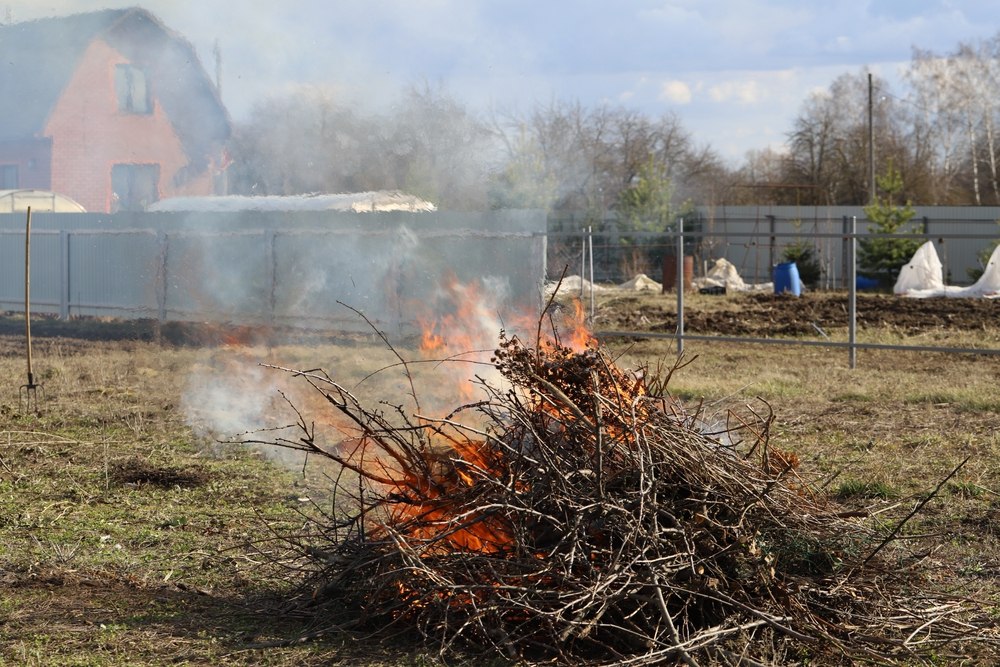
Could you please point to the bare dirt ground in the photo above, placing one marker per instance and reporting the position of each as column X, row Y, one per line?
column 766, row 314
column 750, row 315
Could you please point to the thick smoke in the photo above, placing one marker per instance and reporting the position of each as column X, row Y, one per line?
column 353, row 302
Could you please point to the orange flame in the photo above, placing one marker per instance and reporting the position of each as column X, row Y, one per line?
column 422, row 510
column 420, row 494
column 431, row 341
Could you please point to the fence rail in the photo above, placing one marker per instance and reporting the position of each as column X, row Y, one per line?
column 299, row 268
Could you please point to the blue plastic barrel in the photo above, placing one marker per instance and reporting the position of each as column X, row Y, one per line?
column 865, row 283
column 786, row 279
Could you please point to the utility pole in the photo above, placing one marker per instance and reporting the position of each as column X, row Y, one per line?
column 217, row 54
column 871, row 143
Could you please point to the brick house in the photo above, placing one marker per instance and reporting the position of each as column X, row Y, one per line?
column 110, row 108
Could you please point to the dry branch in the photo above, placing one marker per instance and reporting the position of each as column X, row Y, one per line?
column 572, row 516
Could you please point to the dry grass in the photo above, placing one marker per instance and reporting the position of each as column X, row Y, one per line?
column 125, row 536
column 129, row 540
column 880, row 436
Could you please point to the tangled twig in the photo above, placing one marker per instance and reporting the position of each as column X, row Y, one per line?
column 578, row 518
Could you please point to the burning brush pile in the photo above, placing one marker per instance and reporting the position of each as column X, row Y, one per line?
column 571, row 515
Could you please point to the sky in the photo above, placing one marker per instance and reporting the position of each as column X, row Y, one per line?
column 735, row 72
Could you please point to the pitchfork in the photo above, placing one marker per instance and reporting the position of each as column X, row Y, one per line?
column 29, row 391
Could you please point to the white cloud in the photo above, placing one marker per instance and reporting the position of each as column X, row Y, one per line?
column 742, row 92
column 675, row 92
column 842, row 44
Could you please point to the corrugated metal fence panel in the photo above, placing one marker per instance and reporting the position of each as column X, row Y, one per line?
column 11, row 269
column 754, row 246
column 217, row 276
column 315, row 270
column 112, row 273
column 291, row 268
column 389, row 275
column 322, row 276
column 46, row 263
column 741, row 235
column 754, row 239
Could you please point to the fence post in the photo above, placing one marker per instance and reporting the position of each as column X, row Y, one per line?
column 161, row 279
column 272, row 275
column 590, row 253
column 64, row 288
column 680, row 286
column 852, row 295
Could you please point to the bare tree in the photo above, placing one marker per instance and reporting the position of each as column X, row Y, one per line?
column 434, row 147
column 812, row 143
column 955, row 94
column 828, row 145
column 582, row 159
column 936, row 126
column 299, row 143
column 308, row 141
column 760, row 179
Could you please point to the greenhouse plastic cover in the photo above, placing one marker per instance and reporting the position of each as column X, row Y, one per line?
column 922, row 277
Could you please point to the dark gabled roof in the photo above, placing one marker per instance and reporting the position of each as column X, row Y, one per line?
column 37, row 59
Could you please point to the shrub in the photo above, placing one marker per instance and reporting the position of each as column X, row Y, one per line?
column 983, row 256
column 803, row 254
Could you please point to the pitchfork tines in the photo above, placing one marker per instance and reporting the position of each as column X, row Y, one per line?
column 29, row 394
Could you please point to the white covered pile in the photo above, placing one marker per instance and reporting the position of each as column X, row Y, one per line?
column 575, row 285
column 724, row 274
column 923, row 277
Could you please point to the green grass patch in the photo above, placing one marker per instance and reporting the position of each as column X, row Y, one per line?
column 858, row 488
column 965, row 489
column 851, row 397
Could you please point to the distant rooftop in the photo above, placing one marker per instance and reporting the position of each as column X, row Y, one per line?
column 358, row 202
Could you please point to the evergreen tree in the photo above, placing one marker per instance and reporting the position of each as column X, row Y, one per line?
column 879, row 255
column 646, row 215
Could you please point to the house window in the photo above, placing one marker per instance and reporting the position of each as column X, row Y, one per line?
column 134, row 186
column 8, row 177
column 132, row 90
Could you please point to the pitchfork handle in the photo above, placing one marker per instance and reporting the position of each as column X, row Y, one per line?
column 27, row 293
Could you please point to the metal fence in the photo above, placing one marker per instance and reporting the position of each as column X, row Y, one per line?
column 754, row 239
column 847, row 240
column 294, row 269
column 301, row 269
